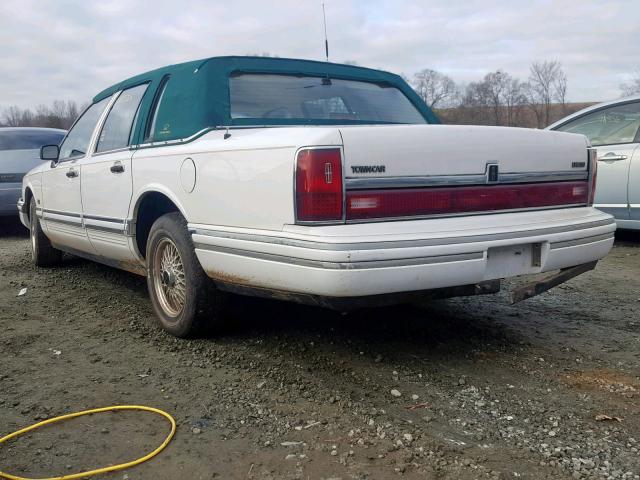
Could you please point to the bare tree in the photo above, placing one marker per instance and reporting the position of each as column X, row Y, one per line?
column 496, row 84
column 633, row 87
column 560, row 87
column 496, row 100
column 435, row 88
column 475, row 103
column 514, row 99
column 547, row 82
column 12, row 116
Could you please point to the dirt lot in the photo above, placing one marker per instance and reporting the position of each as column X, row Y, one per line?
column 498, row 391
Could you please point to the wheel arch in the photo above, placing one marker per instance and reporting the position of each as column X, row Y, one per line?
column 28, row 195
column 150, row 205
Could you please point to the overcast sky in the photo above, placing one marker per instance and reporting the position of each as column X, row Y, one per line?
column 72, row 49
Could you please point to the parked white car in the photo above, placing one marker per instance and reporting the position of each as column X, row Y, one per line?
column 614, row 129
column 307, row 181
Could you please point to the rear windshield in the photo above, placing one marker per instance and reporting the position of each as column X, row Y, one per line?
column 282, row 97
column 28, row 139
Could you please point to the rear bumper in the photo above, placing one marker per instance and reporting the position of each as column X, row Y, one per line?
column 392, row 257
column 9, row 195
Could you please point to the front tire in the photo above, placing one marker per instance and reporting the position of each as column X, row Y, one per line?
column 184, row 299
column 42, row 252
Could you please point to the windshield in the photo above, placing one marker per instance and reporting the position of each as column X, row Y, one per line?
column 28, row 139
column 282, row 97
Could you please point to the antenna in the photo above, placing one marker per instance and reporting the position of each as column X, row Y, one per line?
column 326, row 42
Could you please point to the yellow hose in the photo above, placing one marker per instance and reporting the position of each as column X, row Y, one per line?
column 96, row 471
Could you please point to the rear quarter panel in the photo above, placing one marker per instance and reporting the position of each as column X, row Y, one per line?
column 245, row 180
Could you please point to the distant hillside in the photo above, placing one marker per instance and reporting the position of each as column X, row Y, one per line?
column 517, row 116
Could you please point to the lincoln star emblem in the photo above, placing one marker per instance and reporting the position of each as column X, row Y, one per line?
column 492, row 173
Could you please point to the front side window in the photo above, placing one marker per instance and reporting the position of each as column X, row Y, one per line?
column 28, row 139
column 116, row 131
column 608, row 126
column 284, row 97
column 77, row 141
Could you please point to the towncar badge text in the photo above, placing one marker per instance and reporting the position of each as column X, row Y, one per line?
column 368, row 169
column 181, row 175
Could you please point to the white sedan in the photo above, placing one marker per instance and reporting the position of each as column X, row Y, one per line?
column 307, row 181
column 614, row 129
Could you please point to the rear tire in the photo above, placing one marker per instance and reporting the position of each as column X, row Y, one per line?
column 185, row 300
column 42, row 252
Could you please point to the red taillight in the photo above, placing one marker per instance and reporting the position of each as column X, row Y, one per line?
column 593, row 171
column 319, row 185
column 366, row 204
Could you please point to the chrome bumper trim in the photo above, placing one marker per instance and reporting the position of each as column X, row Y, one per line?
column 582, row 241
column 303, row 262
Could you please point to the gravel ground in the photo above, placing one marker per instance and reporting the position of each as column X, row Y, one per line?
column 456, row 389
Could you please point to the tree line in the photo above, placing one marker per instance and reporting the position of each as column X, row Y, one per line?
column 502, row 99
column 497, row 99
column 60, row 114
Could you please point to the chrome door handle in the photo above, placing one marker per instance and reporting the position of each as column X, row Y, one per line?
column 117, row 168
column 612, row 157
column 71, row 173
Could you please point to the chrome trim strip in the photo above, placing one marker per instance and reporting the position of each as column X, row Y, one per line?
column 103, row 228
column 58, row 212
column 176, row 141
column 115, row 150
column 121, row 226
column 303, row 262
column 458, row 180
column 103, row 219
column 294, row 242
column 582, row 241
column 64, row 222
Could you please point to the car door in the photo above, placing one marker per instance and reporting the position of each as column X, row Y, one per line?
column 634, row 188
column 106, row 179
column 613, row 131
column 61, row 197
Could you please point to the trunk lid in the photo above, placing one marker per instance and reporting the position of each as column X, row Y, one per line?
column 445, row 150
column 414, row 171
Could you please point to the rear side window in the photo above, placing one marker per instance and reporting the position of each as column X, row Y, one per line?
column 28, row 139
column 608, row 126
column 77, row 141
column 306, row 98
column 116, row 131
column 150, row 130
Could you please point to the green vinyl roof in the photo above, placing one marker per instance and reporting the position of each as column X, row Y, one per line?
column 197, row 95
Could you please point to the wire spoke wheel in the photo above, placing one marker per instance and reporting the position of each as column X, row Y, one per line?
column 33, row 238
column 169, row 277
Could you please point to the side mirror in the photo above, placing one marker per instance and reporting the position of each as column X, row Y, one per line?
column 50, row 152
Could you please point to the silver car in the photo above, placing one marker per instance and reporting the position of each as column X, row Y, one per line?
column 614, row 128
column 19, row 153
